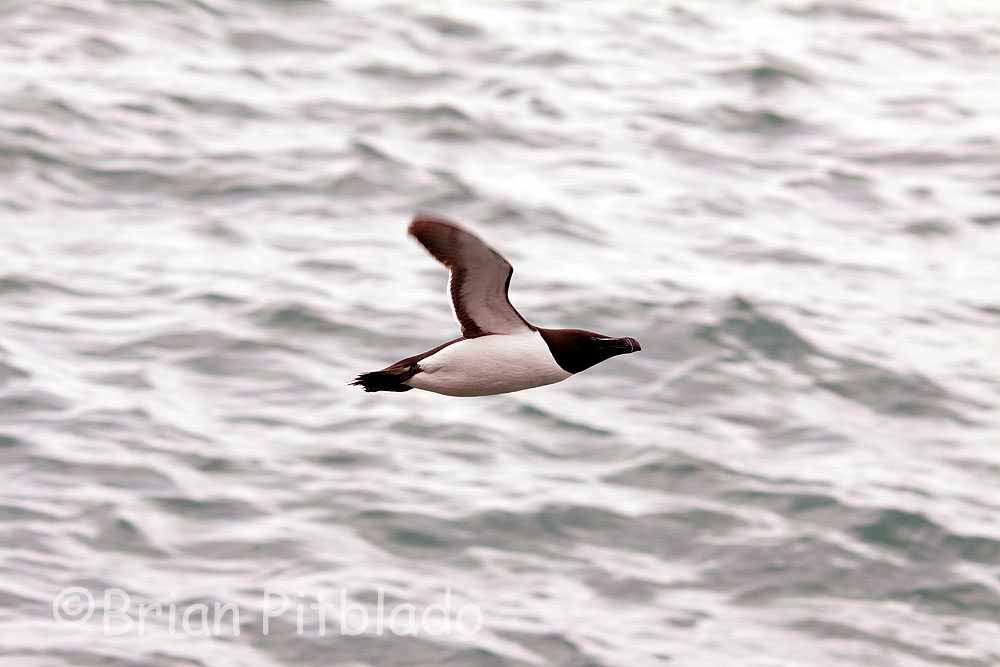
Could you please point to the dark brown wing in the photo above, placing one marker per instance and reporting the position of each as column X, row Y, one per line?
column 478, row 280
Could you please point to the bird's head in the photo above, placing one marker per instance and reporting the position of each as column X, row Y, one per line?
column 577, row 350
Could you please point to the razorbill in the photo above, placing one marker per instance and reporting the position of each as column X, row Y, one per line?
column 499, row 351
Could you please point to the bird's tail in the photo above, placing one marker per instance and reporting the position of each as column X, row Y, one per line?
column 387, row 380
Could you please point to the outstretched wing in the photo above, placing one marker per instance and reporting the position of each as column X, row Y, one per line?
column 478, row 279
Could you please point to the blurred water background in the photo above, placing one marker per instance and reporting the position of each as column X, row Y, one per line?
column 793, row 205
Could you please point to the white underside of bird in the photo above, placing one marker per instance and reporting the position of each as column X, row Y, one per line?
column 488, row 365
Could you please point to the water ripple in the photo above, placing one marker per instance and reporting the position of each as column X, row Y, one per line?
column 793, row 204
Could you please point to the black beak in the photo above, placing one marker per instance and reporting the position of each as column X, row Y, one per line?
column 623, row 345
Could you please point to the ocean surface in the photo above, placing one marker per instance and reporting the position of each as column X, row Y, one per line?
column 793, row 205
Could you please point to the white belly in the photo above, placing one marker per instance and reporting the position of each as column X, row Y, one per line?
column 489, row 365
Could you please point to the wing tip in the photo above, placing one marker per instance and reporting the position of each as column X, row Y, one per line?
column 424, row 221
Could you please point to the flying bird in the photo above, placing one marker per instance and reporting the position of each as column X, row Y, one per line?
column 498, row 351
